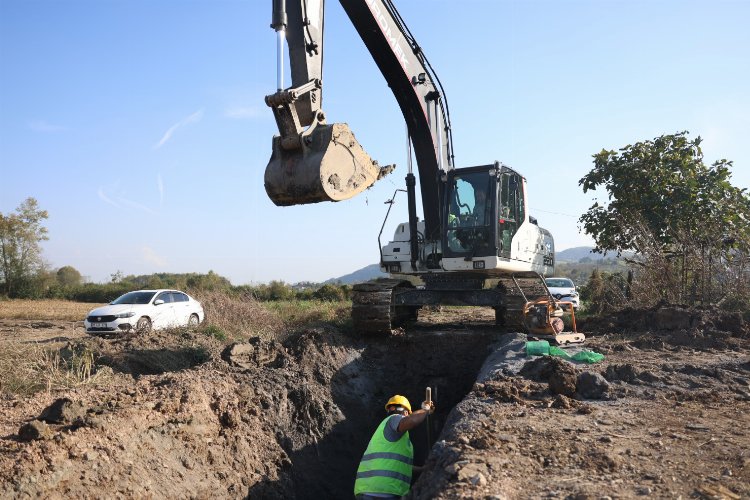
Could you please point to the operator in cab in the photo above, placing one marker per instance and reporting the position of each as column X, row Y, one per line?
column 481, row 207
column 386, row 467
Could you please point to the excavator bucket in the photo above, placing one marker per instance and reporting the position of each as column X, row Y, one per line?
column 330, row 165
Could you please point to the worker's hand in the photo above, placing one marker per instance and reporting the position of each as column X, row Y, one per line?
column 428, row 406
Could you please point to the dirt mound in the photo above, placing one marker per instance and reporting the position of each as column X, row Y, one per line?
column 157, row 352
column 660, row 422
column 174, row 430
column 559, row 374
column 669, row 318
column 704, row 328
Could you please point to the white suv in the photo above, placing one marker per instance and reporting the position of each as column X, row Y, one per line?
column 563, row 289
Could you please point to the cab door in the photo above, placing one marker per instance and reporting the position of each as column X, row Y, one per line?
column 510, row 213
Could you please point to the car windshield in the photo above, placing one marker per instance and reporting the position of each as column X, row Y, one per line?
column 560, row 283
column 134, row 298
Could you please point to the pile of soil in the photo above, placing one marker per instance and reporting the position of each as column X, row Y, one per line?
column 182, row 415
column 659, row 418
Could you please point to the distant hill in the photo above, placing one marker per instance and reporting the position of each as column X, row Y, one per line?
column 576, row 254
column 360, row 276
column 578, row 263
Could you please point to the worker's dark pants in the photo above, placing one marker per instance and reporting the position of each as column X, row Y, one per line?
column 365, row 496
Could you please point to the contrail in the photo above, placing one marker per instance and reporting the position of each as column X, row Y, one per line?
column 195, row 117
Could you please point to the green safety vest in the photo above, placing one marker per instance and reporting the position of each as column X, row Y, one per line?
column 385, row 467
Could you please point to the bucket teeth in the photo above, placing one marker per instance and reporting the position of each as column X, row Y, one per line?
column 330, row 166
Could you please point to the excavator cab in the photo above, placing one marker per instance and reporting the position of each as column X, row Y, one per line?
column 484, row 210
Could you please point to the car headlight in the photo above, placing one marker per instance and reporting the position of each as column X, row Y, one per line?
column 129, row 314
column 574, row 294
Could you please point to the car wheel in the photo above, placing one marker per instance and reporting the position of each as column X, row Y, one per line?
column 193, row 321
column 143, row 325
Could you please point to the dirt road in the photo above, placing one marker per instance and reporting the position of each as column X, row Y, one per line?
column 166, row 416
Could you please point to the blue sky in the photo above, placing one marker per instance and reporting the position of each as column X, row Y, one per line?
column 140, row 125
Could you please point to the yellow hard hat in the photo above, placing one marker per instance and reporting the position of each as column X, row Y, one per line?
column 400, row 401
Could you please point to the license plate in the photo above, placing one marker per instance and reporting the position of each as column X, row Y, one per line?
column 98, row 325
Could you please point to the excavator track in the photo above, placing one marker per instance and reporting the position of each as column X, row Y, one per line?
column 373, row 308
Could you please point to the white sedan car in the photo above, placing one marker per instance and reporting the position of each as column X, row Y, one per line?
column 563, row 289
column 143, row 310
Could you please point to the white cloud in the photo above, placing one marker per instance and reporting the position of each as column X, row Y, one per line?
column 150, row 256
column 194, row 118
column 243, row 113
column 45, row 126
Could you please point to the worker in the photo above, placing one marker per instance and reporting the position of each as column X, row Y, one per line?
column 480, row 205
column 386, row 466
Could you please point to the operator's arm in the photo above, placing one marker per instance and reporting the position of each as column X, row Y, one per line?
column 409, row 422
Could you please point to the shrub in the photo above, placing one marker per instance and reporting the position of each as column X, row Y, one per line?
column 238, row 316
column 216, row 332
column 329, row 293
column 99, row 293
column 29, row 368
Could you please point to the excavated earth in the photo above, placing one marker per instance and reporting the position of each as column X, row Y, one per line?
column 179, row 415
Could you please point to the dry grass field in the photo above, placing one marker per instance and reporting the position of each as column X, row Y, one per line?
column 43, row 345
column 63, row 310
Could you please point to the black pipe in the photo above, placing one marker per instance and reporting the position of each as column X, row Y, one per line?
column 411, row 182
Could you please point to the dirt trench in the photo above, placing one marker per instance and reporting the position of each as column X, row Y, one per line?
column 324, row 457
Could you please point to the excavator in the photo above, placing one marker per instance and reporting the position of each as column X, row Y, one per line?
column 476, row 245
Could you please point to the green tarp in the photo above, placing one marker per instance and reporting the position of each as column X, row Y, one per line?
column 542, row 348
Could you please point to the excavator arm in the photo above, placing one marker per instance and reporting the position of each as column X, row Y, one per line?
column 307, row 162
column 301, row 25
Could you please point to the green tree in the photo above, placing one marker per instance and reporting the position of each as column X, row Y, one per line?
column 68, row 276
column 592, row 292
column 278, row 290
column 687, row 224
column 604, row 292
column 330, row 293
column 209, row 282
column 20, row 253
